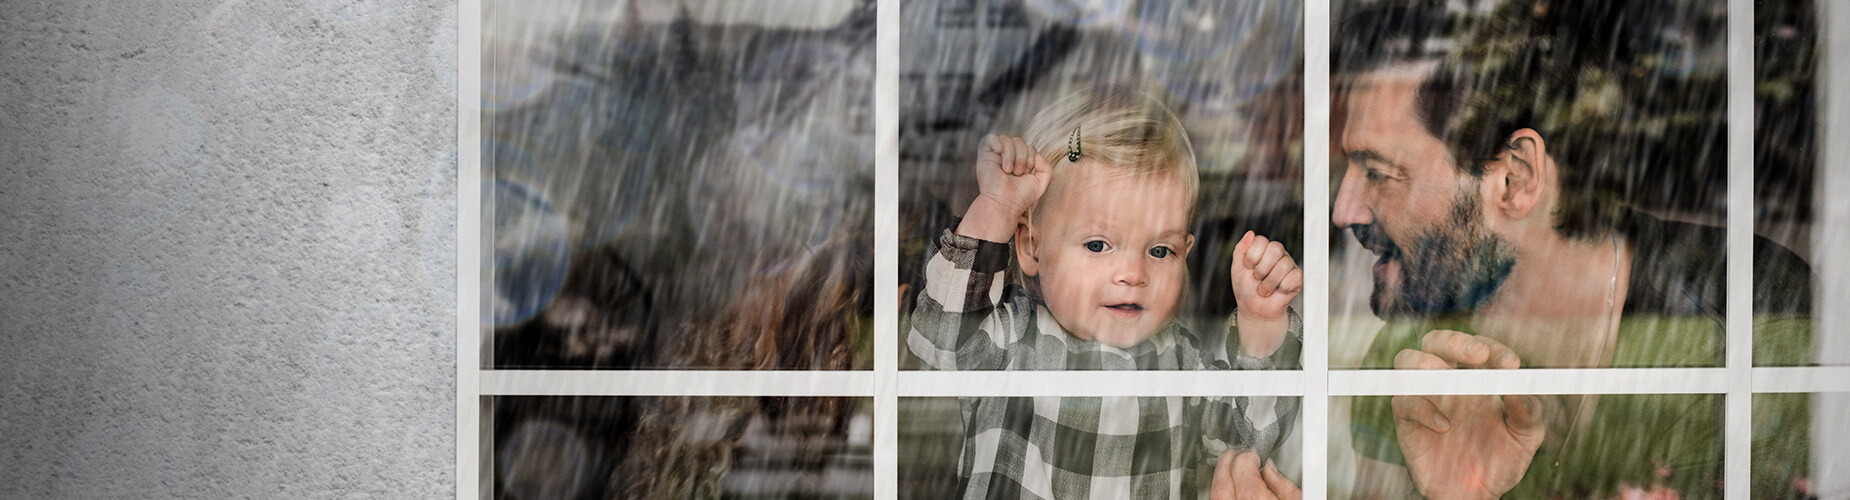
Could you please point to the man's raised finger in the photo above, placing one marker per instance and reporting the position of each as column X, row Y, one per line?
column 1411, row 359
column 1247, row 484
column 1281, row 486
column 1421, row 411
column 1501, row 356
column 1223, row 487
column 1456, row 347
column 1524, row 416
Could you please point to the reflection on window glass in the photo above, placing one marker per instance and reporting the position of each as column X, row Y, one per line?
column 1547, row 174
column 680, row 447
column 1595, row 446
column 678, row 184
column 1786, row 180
column 1050, row 447
column 1801, row 449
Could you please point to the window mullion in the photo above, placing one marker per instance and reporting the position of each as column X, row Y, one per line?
column 1740, row 325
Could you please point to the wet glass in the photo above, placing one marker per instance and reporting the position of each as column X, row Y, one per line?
column 932, row 433
column 677, row 447
column 1231, row 72
column 1792, row 205
column 677, row 185
column 1528, row 171
column 1594, row 446
column 1806, row 452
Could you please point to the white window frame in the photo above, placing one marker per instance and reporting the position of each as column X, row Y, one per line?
column 1738, row 380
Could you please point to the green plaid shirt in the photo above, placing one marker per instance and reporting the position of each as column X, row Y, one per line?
column 1052, row 447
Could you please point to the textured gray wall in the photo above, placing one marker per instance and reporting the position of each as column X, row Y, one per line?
column 227, row 248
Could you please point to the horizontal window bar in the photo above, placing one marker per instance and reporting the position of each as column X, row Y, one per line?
column 1802, row 379
column 676, row 383
column 1101, row 383
column 1176, row 383
column 1531, row 381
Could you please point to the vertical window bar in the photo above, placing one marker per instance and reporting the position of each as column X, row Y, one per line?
column 1316, row 248
column 1740, row 319
column 469, row 408
column 886, row 250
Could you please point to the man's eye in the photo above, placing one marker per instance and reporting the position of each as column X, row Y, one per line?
column 1160, row 252
column 1095, row 246
column 1375, row 175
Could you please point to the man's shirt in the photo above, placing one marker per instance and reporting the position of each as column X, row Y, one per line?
column 1673, row 318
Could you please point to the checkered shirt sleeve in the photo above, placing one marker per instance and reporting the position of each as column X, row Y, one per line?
column 960, row 322
column 1077, row 447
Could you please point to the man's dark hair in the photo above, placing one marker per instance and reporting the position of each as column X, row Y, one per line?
column 1556, row 67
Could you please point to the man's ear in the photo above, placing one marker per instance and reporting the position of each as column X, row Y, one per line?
column 1025, row 248
column 1524, row 173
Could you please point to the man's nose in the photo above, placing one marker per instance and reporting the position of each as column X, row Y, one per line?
column 1351, row 208
column 1130, row 273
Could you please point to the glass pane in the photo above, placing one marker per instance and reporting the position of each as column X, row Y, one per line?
column 678, row 186
column 679, row 447
column 1227, row 74
column 1599, row 446
column 1071, row 444
column 1791, row 207
column 1548, row 174
column 1800, row 447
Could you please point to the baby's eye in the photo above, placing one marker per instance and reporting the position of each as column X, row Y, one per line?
column 1095, row 246
column 1160, row 252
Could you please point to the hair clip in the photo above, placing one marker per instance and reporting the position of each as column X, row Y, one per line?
column 1072, row 145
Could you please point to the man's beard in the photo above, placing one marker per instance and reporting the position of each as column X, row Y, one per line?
column 1453, row 267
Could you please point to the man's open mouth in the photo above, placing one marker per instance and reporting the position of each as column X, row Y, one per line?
column 1130, row 309
column 1383, row 257
column 1374, row 241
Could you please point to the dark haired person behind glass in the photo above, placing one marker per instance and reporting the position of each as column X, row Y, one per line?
column 1492, row 186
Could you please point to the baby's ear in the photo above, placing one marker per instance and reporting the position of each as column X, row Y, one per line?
column 1188, row 244
column 1024, row 249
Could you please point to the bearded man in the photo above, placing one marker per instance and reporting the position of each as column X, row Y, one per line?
column 1495, row 186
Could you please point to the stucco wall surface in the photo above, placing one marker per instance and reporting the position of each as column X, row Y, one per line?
column 227, row 248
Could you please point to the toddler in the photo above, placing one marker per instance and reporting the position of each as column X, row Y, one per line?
column 1098, row 197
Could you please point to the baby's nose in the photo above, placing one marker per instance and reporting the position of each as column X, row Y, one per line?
column 1130, row 274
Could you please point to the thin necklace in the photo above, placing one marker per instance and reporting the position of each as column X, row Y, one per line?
column 1612, row 295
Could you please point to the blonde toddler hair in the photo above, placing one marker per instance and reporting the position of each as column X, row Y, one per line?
column 1122, row 129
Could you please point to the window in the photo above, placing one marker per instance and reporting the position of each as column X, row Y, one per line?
column 562, row 360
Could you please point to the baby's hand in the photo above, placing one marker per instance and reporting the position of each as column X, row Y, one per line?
column 1265, row 279
column 1010, row 173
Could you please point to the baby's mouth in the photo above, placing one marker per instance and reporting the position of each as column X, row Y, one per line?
column 1126, row 310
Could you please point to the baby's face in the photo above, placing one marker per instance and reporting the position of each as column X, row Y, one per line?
column 1111, row 251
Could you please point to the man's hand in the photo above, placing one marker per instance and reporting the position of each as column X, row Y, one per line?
column 1265, row 279
column 1237, row 476
column 1466, row 446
